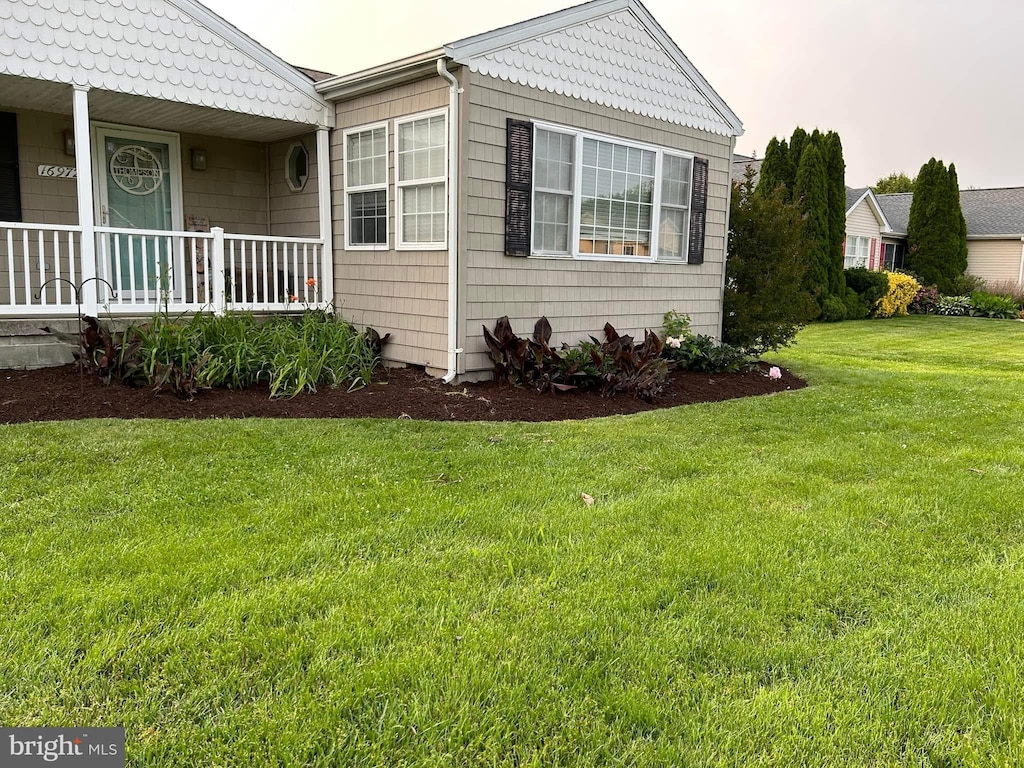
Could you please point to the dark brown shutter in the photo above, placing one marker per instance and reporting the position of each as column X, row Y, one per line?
column 10, row 183
column 518, row 186
column 698, row 210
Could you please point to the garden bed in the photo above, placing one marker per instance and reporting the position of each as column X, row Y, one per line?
column 53, row 394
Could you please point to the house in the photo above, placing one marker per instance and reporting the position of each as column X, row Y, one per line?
column 995, row 230
column 870, row 241
column 576, row 165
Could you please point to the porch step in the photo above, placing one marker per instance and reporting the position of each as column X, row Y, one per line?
column 24, row 345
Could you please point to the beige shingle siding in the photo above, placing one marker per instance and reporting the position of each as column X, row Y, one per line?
column 232, row 191
column 578, row 297
column 401, row 292
column 995, row 260
column 293, row 214
column 41, row 142
column 862, row 222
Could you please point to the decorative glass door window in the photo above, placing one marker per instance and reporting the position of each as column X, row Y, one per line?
column 139, row 188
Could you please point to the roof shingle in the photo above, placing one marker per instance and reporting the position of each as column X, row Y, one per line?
column 988, row 211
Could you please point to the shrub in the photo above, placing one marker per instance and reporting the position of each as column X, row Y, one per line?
column 856, row 308
column 833, row 309
column 966, row 284
column 766, row 301
column 925, row 302
column 1010, row 288
column 954, row 306
column 870, row 286
column 289, row 355
column 902, row 290
column 989, row 305
column 704, row 354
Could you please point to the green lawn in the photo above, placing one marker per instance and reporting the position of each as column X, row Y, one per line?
column 825, row 577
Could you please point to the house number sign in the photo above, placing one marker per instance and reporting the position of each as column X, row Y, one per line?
column 136, row 170
column 57, row 171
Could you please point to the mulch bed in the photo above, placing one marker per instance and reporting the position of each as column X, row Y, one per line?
column 53, row 394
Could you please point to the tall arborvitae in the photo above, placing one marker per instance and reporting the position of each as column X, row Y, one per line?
column 937, row 232
column 796, row 152
column 775, row 171
column 836, row 169
column 812, row 194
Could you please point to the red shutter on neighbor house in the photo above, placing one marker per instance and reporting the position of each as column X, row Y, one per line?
column 518, row 186
column 10, row 182
column 872, row 261
column 698, row 210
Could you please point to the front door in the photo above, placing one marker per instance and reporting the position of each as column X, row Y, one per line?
column 138, row 181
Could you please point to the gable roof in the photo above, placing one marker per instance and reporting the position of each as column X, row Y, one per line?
column 606, row 52
column 989, row 212
column 175, row 50
column 854, row 197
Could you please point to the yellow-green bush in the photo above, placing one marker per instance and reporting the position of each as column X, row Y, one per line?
column 902, row 290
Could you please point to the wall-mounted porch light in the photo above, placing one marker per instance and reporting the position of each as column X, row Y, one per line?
column 198, row 159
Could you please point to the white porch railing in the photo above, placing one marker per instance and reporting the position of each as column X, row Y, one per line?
column 144, row 271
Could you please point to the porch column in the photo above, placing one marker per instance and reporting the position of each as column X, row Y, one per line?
column 323, row 180
column 83, row 165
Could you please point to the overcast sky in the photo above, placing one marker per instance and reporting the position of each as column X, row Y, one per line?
column 901, row 80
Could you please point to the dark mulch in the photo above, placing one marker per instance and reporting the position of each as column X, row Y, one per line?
column 53, row 394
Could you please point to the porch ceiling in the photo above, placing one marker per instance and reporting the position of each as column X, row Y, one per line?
column 107, row 106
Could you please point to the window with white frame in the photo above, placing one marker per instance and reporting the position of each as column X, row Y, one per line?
column 421, row 160
column 366, row 186
column 857, row 251
column 595, row 196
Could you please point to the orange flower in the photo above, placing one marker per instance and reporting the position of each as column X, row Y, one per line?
column 311, row 282
column 293, row 298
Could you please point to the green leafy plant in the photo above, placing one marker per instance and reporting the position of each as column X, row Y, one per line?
column 704, row 354
column 868, row 285
column 989, row 305
column 965, row 285
column 833, row 309
column 953, row 306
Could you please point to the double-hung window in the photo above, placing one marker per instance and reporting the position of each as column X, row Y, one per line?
column 596, row 197
column 366, row 186
column 421, row 160
column 857, row 251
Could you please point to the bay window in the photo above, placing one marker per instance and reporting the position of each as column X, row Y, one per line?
column 421, row 163
column 599, row 197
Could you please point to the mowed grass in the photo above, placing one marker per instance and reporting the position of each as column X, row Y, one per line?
column 825, row 577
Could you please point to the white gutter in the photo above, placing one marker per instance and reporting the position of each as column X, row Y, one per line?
column 453, row 219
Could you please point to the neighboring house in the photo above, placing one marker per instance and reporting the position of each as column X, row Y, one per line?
column 995, row 230
column 869, row 240
column 576, row 166
column 740, row 164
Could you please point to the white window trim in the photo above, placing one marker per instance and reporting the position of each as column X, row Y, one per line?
column 287, row 161
column 867, row 252
column 400, row 244
column 386, row 245
column 574, row 217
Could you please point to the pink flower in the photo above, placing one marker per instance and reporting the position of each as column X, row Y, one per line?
column 775, row 373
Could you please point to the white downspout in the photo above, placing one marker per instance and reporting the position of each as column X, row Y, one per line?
column 453, row 219
column 1020, row 274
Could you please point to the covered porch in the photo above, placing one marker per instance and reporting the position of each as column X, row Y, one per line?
column 165, row 205
column 154, row 158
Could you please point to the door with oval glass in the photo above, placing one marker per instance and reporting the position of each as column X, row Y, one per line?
column 138, row 181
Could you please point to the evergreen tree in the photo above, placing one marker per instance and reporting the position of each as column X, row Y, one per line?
column 892, row 184
column 836, row 169
column 775, row 171
column 766, row 302
column 937, row 231
column 797, row 144
column 812, row 194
